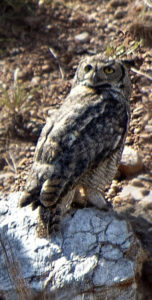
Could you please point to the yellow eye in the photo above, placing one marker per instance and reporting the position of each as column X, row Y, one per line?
column 88, row 68
column 109, row 70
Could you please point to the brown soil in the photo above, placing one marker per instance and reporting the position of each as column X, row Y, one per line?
column 26, row 44
column 115, row 28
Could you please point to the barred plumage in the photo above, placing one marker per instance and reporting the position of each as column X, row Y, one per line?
column 81, row 144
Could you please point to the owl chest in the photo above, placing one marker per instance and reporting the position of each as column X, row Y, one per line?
column 96, row 121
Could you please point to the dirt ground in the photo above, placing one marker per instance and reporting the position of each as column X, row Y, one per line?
column 39, row 53
column 46, row 46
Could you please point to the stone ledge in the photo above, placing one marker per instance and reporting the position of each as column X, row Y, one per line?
column 95, row 256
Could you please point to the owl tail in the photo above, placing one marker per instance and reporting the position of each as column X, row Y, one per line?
column 50, row 191
column 42, row 192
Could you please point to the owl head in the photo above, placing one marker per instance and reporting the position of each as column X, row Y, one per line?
column 98, row 73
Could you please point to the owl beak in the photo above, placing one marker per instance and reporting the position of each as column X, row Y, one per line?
column 98, row 82
column 95, row 77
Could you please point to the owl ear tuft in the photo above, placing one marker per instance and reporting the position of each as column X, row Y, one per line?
column 133, row 62
column 128, row 63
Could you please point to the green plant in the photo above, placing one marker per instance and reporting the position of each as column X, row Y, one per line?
column 110, row 50
column 15, row 99
column 121, row 50
column 18, row 102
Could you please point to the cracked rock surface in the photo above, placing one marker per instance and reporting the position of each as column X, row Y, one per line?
column 96, row 256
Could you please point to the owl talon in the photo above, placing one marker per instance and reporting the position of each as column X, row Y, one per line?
column 96, row 198
column 25, row 199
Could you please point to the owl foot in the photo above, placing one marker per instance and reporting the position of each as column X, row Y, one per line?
column 28, row 198
column 96, row 198
column 49, row 221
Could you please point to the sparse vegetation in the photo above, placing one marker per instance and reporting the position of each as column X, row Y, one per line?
column 14, row 269
column 14, row 98
column 121, row 50
column 27, row 32
column 17, row 102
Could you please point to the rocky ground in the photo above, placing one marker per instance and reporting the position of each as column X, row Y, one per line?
column 40, row 50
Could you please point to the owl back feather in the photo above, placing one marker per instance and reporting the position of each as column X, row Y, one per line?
column 81, row 140
column 81, row 143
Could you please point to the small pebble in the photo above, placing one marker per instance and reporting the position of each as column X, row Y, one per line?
column 82, row 37
column 116, row 3
column 138, row 111
column 32, row 148
column 145, row 192
column 46, row 68
column 28, row 154
column 146, row 202
column 145, row 177
column 131, row 192
column 137, row 130
column 148, row 128
column 117, row 200
column 35, row 81
column 120, row 14
column 137, row 182
column 144, row 137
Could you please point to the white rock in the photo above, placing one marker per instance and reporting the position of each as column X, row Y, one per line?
column 131, row 162
column 35, row 81
column 83, row 37
column 87, row 260
column 131, row 192
column 148, row 128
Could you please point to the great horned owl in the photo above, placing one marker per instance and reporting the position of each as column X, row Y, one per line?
column 81, row 144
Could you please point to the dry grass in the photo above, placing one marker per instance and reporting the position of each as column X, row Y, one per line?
column 13, row 266
column 14, row 270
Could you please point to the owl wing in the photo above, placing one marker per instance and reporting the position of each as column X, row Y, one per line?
column 82, row 136
column 33, row 184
